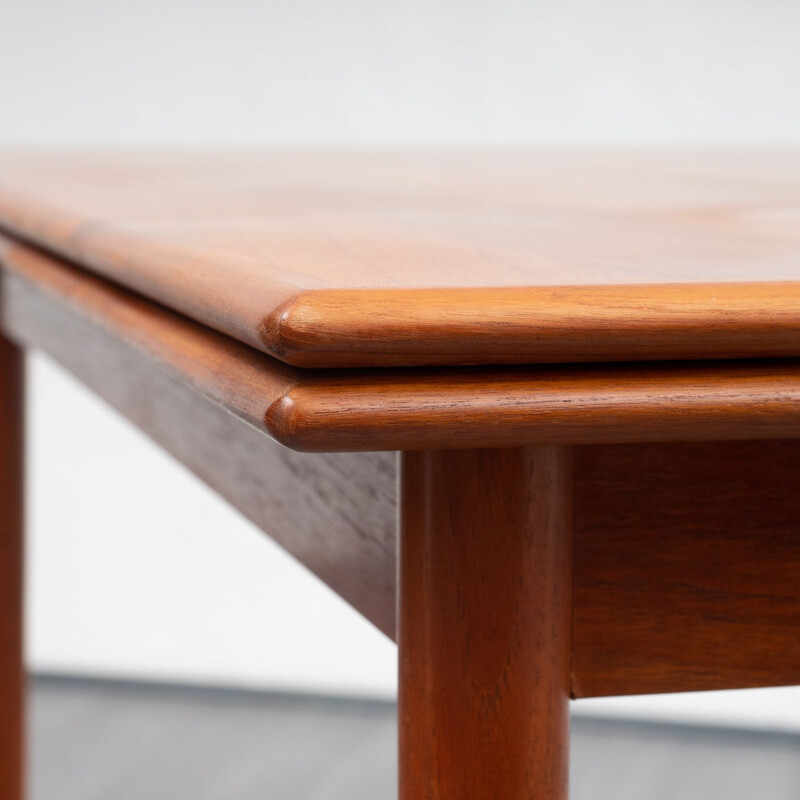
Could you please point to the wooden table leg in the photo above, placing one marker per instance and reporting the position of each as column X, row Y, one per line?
column 11, row 545
column 484, row 624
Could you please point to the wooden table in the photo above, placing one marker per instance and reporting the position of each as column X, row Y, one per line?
column 587, row 362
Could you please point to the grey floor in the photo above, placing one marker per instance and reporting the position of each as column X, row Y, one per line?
column 103, row 740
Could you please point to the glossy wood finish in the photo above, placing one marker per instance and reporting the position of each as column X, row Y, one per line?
column 335, row 513
column 398, row 409
column 536, row 405
column 687, row 567
column 682, row 552
column 390, row 327
column 11, row 572
column 686, row 555
column 343, row 259
column 484, row 624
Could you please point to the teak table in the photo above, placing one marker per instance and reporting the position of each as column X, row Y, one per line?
column 587, row 362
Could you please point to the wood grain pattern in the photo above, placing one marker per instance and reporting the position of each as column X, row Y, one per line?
column 335, row 513
column 12, row 713
column 177, row 381
column 687, row 567
column 402, row 409
column 438, row 258
column 484, row 624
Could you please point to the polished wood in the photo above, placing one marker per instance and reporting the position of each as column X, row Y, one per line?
column 484, row 624
column 686, row 562
column 398, row 409
column 535, row 405
column 699, row 539
column 687, row 567
column 345, row 259
column 11, row 572
column 334, row 512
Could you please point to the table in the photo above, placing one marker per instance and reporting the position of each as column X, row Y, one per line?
column 579, row 369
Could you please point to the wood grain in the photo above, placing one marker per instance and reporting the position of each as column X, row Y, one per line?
column 687, row 567
column 484, row 624
column 735, row 510
column 12, row 707
column 371, row 259
column 335, row 513
column 401, row 409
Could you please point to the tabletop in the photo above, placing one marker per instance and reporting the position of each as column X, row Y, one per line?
column 418, row 258
column 68, row 312
column 611, row 528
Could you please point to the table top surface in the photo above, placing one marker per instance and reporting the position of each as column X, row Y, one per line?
column 412, row 258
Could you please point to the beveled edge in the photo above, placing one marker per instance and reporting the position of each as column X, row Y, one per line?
column 407, row 409
column 322, row 328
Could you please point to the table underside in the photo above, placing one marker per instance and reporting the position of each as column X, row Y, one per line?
column 685, row 555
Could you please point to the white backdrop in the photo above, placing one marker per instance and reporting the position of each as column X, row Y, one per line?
column 135, row 569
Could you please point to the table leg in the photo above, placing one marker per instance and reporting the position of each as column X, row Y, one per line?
column 11, row 545
column 484, row 624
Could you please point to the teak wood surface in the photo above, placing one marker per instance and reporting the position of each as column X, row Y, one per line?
column 345, row 259
column 484, row 623
column 565, row 529
column 11, row 572
column 336, row 512
column 686, row 567
column 405, row 409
